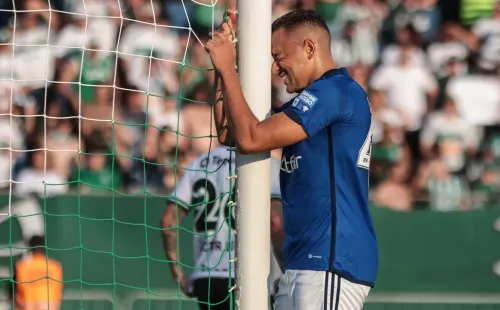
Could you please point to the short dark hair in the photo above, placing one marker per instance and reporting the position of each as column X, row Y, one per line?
column 36, row 242
column 299, row 18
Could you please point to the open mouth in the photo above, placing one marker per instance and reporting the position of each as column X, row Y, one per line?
column 284, row 76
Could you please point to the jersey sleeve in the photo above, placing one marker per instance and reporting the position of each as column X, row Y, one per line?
column 182, row 193
column 317, row 107
column 282, row 107
column 275, row 179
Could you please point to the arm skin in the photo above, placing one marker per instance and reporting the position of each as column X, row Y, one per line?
column 169, row 236
column 219, row 114
column 250, row 135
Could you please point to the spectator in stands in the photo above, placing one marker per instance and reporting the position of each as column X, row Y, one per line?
column 12, row 145
column 40, row 177
column 454, row 137
column 7, row 69
column 476, row 96
column 411, row 90
column 349, row 49
column 80, row 76
column 407, row 43
column 393, row 193
column 63, row 147
column 197, row 123
column 34, row 25
column 97, row 115
column 363, row 19
column 447, row 51
column 97, row 173
column 391, row 151
column 422, row 15
column 488, row 32
column 171, row 152
column 138, row 40
column 486, row 192
column 446, row 192
column 360, row 73
column 383, row 114
column 33, row 63
column 452, row 68
column 146, row 171
column 90, row 32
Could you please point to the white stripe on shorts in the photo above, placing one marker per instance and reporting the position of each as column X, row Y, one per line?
column 318, row 290
column 341, row 294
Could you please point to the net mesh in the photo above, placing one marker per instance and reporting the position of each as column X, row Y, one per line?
column 104, row 104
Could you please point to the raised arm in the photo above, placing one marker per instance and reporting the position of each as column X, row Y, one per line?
column 249, row 135
column 219, row 114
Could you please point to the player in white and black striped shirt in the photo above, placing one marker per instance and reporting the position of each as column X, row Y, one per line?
column 207, row 177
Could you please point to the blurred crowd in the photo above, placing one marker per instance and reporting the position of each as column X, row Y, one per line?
column 101, row 95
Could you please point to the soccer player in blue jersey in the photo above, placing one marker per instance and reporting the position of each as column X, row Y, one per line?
column 330, row 251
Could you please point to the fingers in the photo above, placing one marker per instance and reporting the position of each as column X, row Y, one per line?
column 218, row 39
column 225, row 28
column 221, row 36
column 209, row 45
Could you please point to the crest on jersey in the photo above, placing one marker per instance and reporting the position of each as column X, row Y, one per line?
column 305, row 101
column 308, row 98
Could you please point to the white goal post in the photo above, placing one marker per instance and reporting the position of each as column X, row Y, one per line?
column 253, row 171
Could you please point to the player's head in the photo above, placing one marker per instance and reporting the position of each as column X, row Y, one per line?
column 300, row 46
column 37, row 244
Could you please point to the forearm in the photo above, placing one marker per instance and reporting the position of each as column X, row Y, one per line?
column 219, row 115
column 170, row 247
column 277, row 241
column 241, row 120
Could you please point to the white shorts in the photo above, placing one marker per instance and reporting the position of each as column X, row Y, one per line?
column 318, row 290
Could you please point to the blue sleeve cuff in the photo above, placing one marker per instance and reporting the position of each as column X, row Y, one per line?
column 296, row 118
column 282, row 107
column 276, row 197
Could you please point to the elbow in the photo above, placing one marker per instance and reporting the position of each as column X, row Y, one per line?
column 276, row 225
column 247, row 148
column 251, row 141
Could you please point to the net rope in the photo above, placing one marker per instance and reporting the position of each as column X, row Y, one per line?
column 108, row 241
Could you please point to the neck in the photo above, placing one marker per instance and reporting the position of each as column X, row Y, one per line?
column 322, row 68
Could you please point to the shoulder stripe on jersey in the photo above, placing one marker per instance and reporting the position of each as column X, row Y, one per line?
column 181, row 203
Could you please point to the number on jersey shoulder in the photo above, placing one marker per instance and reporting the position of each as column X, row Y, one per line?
column 207, row 218
column 365, row 152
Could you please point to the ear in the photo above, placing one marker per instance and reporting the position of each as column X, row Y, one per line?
column 309, row 48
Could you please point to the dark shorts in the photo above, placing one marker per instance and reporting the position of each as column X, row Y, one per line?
column 218, row 296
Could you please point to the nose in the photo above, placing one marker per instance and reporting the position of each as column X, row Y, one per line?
column 275, row 69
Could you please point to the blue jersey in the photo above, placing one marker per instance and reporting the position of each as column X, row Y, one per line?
column 324, row 181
